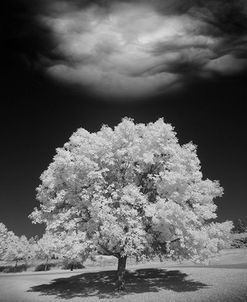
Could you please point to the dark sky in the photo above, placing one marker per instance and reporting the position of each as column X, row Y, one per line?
column 39, row 112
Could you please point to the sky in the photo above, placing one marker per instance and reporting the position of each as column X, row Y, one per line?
column 71, row 64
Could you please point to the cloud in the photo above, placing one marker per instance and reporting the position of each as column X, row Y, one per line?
column 138, row 48
column 227, row 64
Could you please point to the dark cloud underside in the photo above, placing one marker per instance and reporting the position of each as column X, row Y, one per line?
column 129, row 48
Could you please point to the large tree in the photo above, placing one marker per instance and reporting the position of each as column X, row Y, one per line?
column 132, row 191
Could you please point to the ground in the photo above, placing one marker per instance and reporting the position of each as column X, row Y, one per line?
column 225, row 279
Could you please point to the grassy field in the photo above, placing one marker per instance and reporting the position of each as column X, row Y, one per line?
column 225, row 279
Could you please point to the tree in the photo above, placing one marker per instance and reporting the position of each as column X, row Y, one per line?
column 239, row 226
column 132, row 191
column 73, row 248
column 12, row 247
column 4, row 233
column 18, row 248
column 46, row 247
column 69, row 246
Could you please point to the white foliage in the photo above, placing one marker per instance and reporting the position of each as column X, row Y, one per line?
column 3, row 239
column 18, row 248
column 46, row 247
column 131, row 190
column 73, row 246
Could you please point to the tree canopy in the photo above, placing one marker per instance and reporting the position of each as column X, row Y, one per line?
column 4, row 233
column 12, row 247
column 132, row 191
column 240, row 226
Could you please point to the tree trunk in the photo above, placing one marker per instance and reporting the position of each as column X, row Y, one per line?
column 121, row 272
column 46, row 264
column 16, row 263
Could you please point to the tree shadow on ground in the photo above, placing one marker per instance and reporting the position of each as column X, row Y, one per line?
column 230, row 266
column 103, row 285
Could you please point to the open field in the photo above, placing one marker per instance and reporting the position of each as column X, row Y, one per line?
column 225, row 279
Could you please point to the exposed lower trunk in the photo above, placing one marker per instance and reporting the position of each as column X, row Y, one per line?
column 16, row 263
column 71, row 266
column 46, row 264
column 121, row 272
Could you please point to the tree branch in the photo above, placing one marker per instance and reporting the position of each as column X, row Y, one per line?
column 106, row 252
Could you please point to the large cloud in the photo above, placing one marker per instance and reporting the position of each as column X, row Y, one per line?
column 136, row 48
